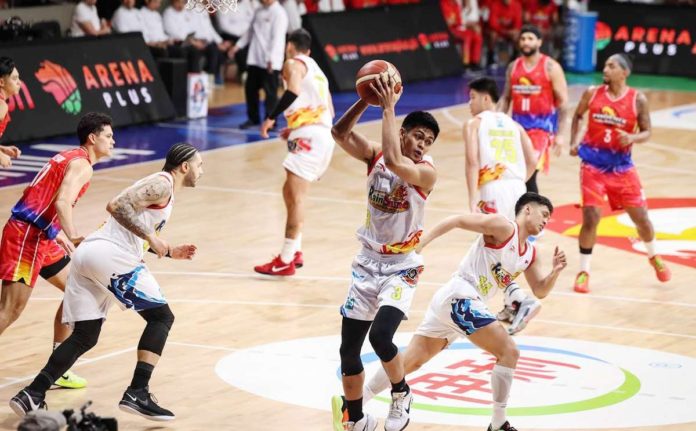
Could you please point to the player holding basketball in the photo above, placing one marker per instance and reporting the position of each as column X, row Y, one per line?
column 400, row 176
column 499, row 158
column 536, row 89
column 498, row 256
column 618, row 118
column 309, row 112
column 108, row 267
column 40, row 234
column 9, row 86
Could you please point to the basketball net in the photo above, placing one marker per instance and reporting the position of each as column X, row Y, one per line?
column 211, row 6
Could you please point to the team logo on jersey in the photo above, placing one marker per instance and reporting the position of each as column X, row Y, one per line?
column 674, row 220
column 501, row 276
column 526, row 86
column 488, row 173
column 607, row 115
column 394, row 201
column 57, row 81
column 299, row 145
column 410, row 276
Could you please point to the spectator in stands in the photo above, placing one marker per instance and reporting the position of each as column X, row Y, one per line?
column 206, row 38
column 233, row 25
column 153, row 26
column 86, row 22
column 544, row 15
column 127, row 18
column 314, row 6
column 464, row 26
column 504, row 24
column 292, row 9
column 362, row 4
column 266, row 41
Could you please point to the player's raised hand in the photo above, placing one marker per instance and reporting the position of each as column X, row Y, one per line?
column 184, row 251
column 11, row 151
column 559, row 260
column 385, row 91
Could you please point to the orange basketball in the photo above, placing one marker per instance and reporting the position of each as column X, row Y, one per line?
column 370, row 72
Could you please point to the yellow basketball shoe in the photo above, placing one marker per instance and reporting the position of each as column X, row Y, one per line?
column 70, row 380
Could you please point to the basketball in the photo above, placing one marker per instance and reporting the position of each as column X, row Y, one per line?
column 371, row 71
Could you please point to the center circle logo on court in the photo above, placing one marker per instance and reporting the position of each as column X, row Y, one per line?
column 558, row 383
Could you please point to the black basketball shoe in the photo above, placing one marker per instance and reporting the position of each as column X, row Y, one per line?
column 26, row 401
column 143, row 403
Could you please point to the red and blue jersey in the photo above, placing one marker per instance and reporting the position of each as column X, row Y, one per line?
column 533, row 102
column 3, row 124
column 36, row 206
column 600, row 147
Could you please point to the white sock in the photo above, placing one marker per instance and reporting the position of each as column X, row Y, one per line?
column 585, row 260
column 650, row 248
column 288, row 253
column 298, row 242
column 378, row 383
column 514, row 293
column 55, row 345
column 501, row 381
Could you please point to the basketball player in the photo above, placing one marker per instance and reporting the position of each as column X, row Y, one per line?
column 499, row 158
column 499, row 254
column 309, row 112
column 618, row 118
column 536, row 88
column 9, row 86
column 108, row 268
column 400, row 176
column 40, row 234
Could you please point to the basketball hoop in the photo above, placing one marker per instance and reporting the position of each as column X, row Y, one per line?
column 211, row 6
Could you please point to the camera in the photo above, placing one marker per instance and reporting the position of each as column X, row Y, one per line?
column 80, row 420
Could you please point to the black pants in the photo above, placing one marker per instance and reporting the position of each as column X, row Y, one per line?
column 259, row 78
column 240, row 56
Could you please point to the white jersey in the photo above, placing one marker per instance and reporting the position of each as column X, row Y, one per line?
column 153, row 216
column 500, row 148
column 395, row 211
column 489, row 268
column 313, row 104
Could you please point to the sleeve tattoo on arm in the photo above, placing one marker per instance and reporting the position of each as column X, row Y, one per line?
column 133, row 200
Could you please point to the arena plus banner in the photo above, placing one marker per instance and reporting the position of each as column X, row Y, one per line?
column 63, row 79
column 414, row 38
column 660, row 39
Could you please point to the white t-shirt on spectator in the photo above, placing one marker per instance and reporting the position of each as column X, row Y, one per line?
column 204, row 27
column 84, row 13
column 126, row 20
column 266, row 37
column 471, row 15
column 331, row 6
column 153, row 27
column 293, row 12
column 237, row 23
column 178, row 24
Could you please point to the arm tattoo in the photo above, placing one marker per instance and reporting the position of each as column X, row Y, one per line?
column 133, row 200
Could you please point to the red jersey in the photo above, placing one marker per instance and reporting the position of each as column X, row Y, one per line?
column 542, row 16
column 451, row 12
column 503, row 18
column 3, row 124
column 36, row 206
column 600, row 147
column 533, row 102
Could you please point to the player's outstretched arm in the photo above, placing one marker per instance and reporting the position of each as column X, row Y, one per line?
column 541, row 286
column 495, row 227
column 130, row 202
column 579, row 115
column 76, row 176
column 352, row 142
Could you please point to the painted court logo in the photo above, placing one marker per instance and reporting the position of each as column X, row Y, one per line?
column 559, row 383
column 57, row 81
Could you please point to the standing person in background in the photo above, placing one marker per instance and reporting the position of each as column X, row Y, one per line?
column 266, row 41
column 9, row 86
column 504, row 24
column 233, row 25
column 619, row 117
column 86, row 22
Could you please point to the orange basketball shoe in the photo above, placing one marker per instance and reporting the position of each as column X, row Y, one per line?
column 276, row 267
column 661, row 270
column 582, row 282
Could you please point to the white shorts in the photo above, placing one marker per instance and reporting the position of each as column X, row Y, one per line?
column 309, row 151
column 103, row 273
column 381, row 279
column 500, row 196
column 456, row 310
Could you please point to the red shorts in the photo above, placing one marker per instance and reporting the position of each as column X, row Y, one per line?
column 541, row 141
column 623, row 189
column 25, row 251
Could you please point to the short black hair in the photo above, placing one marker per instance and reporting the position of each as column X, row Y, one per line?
column 531, row 197
column 92, row 122
column 7, row 65
column 421, row 118
column 486, row 85
column 178, row 154
column 531, row 28
column 301, row 39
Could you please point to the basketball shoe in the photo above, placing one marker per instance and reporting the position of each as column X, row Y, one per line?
column 662, row 272
column 399, row 410
column 339, row 412
column 367, row 423
column 299, row 259
column 70, row 380
column 582, row 282
column 26, row 401
column 277, row 267
column 504, row 427
column 523, row 312
column 141, row 402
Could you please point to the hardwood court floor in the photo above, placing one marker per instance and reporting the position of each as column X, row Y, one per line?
column 236, row 218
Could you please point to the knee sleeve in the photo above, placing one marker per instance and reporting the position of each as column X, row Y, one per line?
column 85, row 335
column 383, row 329
column 353, row 334
column 159, row 322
